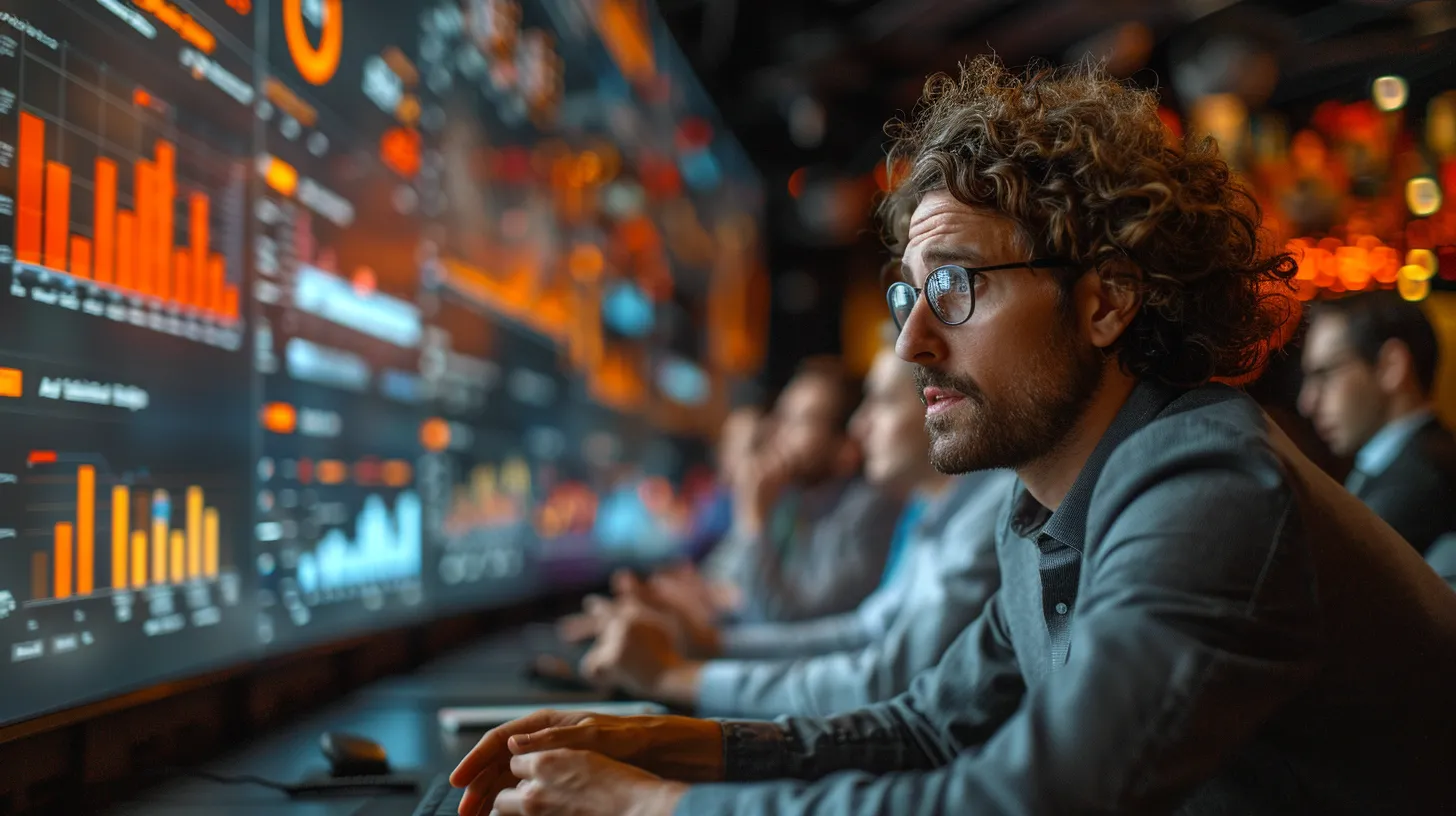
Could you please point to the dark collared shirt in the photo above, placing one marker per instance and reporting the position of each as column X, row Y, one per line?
column 1206, row 624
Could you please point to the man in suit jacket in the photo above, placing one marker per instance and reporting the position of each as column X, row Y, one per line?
column 1369, row 365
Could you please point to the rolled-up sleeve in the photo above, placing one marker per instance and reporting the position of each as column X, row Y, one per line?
column 1197, row 620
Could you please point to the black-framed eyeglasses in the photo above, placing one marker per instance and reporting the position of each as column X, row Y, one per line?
column 951, row 290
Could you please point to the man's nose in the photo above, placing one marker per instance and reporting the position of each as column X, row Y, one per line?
column 921, row 340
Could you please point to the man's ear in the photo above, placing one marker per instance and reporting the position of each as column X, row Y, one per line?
column 1394, row 366
column 1107, row 301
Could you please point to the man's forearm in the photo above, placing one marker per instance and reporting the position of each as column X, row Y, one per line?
column 879, row 739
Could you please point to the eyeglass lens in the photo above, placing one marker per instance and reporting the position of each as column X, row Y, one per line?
column 949, row 291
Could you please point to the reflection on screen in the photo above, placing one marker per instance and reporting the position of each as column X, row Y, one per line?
column 325, row 316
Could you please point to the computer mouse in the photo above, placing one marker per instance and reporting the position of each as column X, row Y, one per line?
column 351, row 755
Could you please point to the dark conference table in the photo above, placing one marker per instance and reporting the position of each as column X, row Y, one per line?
column 398, row 712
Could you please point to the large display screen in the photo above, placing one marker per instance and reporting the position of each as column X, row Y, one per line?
column 325, row 316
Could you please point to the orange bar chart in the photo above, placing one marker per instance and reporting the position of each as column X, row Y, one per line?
column 40, row 575
column 104, row 236
column 57, row 213
column 165, row 191
column 179, row 555
column 120, row 527
column 159, row 541
column 80, row 257
column 126, row 230
column 138, row 559
column 85, row 529
column 153, row 542
column 146, row 230
column 62, row 556
column 134, row 250
column 194, row 532
column 197, row 210
column 210, row 542
column 30, row 193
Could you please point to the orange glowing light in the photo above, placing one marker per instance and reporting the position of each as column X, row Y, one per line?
column 290, row 102
column 397, row 473
column 586, row 263
column 280, row 417
column 399, row 149
column 1171, row 123
column 1308, row 152
column 589, row 167
column 624, row 32
column 316, row 65
column 796, row 183
column 280, row 175
column 1413, row 290
column 193, row 32
column 365, row 282
column 435, row 434
column 1424, row 260
column 11, row 382
column 332, row 472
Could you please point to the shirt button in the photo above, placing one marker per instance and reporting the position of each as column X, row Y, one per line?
column 1061, row 609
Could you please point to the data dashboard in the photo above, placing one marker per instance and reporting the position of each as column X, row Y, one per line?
column 325, row 317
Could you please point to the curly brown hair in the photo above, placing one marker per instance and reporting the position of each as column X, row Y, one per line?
column 1082, row 164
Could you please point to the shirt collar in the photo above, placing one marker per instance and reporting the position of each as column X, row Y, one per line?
column 1387, row 443
column 1068, row 524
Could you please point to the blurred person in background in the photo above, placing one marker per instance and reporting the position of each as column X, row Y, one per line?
column 944, row 574
column 1369, row 368
column 692, row 596
column 809, row 537
column 1192, row 616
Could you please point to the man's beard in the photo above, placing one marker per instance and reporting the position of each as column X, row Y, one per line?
column 1025, row 425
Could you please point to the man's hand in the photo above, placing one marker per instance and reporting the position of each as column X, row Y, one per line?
column 485, row 771
column 636, row 653
column 686, row 612
column 566, row 782
column 686, row 590
column 587, row 624
column 673, row 747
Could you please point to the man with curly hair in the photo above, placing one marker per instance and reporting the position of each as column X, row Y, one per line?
column 1192, row 617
